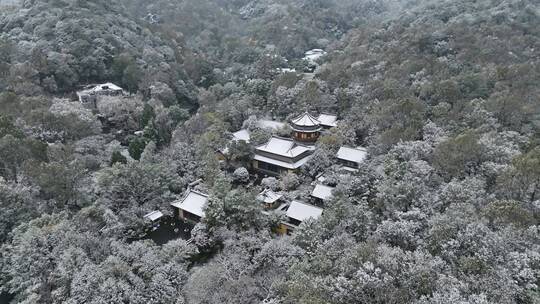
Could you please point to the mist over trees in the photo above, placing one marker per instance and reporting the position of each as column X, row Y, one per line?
column 444, row 96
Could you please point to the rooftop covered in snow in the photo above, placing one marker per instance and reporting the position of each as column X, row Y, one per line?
column 282, row 164
column 241, row 135
column 284, row 147
column 314, row 54
column 193, row 202
column 322, row 192
column 355, row 155
column 105, row 87
column 301, row 211
column 154, row 215
column 305, row 120
column 327, row 120
column 269, row 197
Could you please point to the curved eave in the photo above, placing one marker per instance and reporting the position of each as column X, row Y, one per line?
column 318, row 129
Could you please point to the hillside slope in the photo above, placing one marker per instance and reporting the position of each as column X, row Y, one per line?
column 61, row 44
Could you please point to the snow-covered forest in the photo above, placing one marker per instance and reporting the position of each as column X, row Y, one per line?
column 269, row 151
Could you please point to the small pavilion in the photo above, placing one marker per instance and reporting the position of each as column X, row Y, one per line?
column 306, row 128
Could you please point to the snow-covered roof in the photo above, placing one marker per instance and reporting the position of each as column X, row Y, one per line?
column 283, row 146
column 302, row 211
column 348, row 169
column 241, row 135
column 315, row 51
column 323, row 192
column 314, row 54
column 270, row 124
column 321, row 178
column 154, row 215
column 306, row 120
column 282, row 164
column 286, row 70
column 328, row 120
column 109, row 86
column 193, row 202
column 268, row 196
column 357, row 155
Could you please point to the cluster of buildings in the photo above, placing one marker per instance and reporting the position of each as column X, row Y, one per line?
column 287, row 155
column 278, row 156
column 191, row 206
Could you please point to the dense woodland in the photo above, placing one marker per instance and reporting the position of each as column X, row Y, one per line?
column 444, row 94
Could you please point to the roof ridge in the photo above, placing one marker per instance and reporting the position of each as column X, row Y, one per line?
column 196, row 192
column 312, row 118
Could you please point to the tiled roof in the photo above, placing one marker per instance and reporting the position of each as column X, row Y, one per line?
column 357, row 155
column 306, row 120
column 193, row 202
column 241, row 135
column 284, row 147
column 154, row 215
column 282, row 164
column 268, row 196
column 328, row 120
column 323, row 192
column 302, row 211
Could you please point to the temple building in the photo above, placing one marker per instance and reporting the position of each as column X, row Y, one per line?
column 351, row 158
column 191, row 207
column 281, row 155
column 297, row 213
column 89, row 96
column 306, row 128
column 322, row 193
column 270, row 199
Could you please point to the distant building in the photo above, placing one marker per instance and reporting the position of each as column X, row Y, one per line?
column 191, row 206
column 280, row 155
column 327, row 120
column 314, row 54
column 322, row 193
column 311, row 57
column 351, row 158
column 269, row 198
column 306, row 128
column 296, row 213
column 89, row 96
column 286, row 70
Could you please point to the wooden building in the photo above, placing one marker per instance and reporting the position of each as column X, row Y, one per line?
column 270, row 199
column 280, row 155
column 322, row 193
column 306, row 128
column 90, row 94
column 351, row 158
column 191, row 207
column 296, row 213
